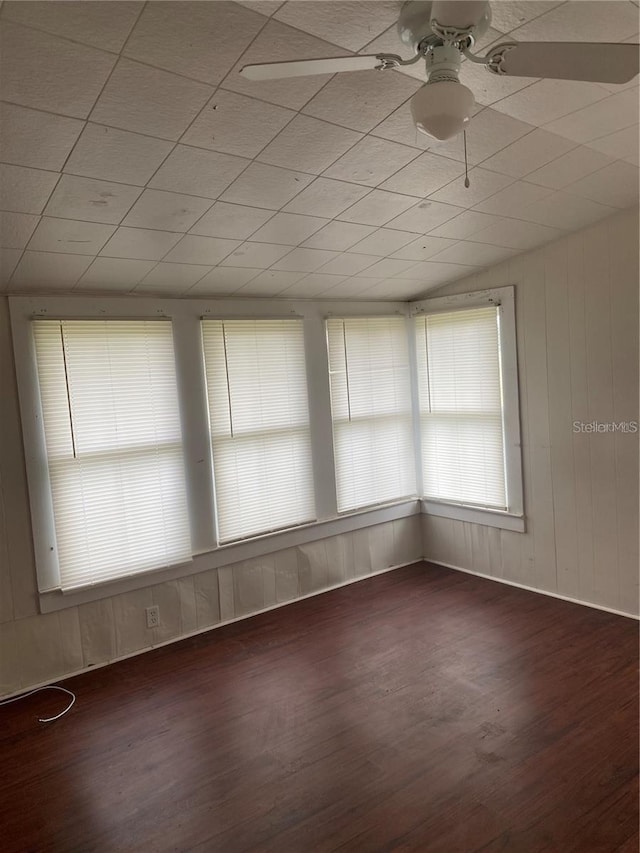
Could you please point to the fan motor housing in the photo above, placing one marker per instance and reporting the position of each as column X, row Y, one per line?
column 414, row 23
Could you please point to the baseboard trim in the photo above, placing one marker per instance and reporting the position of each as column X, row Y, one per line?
column 205, row 630
column 568, row 598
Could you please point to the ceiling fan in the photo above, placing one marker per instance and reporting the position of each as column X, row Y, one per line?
column 441, row 33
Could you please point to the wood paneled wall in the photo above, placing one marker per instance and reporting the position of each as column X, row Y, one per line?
column 577, row 333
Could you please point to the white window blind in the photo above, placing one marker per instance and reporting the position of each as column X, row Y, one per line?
column 259, row 420
column 371, row 410
column 461, row 406
column 114, row 447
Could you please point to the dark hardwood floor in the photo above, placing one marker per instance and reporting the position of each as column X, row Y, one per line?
column 421, row 710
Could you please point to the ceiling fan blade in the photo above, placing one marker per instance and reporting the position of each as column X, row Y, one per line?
column 304, row 67
column 595, row 63
column 458, row 14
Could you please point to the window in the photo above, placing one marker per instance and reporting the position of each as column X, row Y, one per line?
column 114, row 448
column 371, row 410
column 259, row 420
column 461, row 407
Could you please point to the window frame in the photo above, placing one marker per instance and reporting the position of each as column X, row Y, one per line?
column 186, row 316
column 513, row 517
column 413, row 403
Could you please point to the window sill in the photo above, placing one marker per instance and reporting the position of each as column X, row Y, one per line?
column 235, row 552
column 475, row 515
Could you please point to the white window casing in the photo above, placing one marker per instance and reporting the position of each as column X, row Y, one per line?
column 370, row 378
column 259, row 421
column 468, row 402
column 113, row 447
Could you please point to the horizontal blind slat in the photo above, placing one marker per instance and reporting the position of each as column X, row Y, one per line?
column 112, row 431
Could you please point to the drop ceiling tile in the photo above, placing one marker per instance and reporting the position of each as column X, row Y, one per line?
column 487, row 133
column 69, row 236
column 582, row 20
column 312, row 285
column 378, row 207
column 387, row 268
column 572, row 166
column 349, row 264
column 32, row 138
column 280, row 43
column 616, row 185
column 194, row 171
column 350, row 288
column 114, row 274
column 290, row 229
column 305, row 260
column 511, row 200
column 45, row 270
column 547, row 100
column 42, row 71
column 325, row 197
column 234, row 221
column 482, row 184
column 399, row 127
column 425, row 175
column 149, row 101
column 140, row 244
column 172, row 278
column 201, row 250
column 256, row 256
column 432, row 273
column 235, row 124
column 266, row 186
column 166, row 211
column 423, row 248
column 623, row 145
column 529, row 153
column 16, row 229
column 393, row 289
column 91, row 200
column 561, row 210
column 465, row 224
column 383, row 242
column 264, row 7
column 517, row 234
column 361, row 100
column 8, row 261
column 101, row 24
column 309, row 145
column 198, row 40
column 269, row 283
column 490, row 88
column 424, row 217
column 474, row 254
column 25, row 190
column 116, row 155
column 338, row 236
column 509, row 14
column 222, row 280
column 371, row 161
column 614, row 113
column 348, row 24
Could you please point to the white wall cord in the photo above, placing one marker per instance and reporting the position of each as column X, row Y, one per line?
column 37, row 690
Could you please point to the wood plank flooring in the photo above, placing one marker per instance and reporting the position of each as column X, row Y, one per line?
column 420, row 710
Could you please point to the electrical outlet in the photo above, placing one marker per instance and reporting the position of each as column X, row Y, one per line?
column 153, row 616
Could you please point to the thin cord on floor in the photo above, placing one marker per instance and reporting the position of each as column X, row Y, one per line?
column 37, row 690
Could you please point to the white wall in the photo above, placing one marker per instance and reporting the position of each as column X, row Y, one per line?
column 577, row 331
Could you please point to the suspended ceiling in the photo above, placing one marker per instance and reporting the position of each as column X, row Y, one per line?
column 136, row 159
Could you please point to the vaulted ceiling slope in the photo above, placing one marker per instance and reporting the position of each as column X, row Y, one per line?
column 136, row 159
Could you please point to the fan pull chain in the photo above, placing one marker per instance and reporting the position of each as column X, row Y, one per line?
column 467, row 182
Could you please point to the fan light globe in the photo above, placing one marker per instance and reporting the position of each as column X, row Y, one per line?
column 441, row 109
